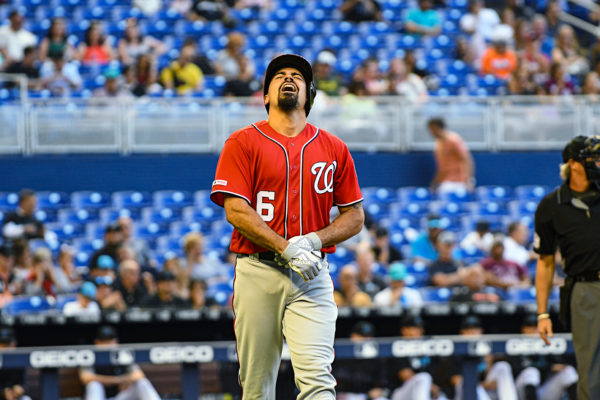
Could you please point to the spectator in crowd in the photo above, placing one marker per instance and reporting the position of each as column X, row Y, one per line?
column 14, row 39
column 139, row 245
column 359, row 377
column 22, row 223
column 95, row 49
column 542, row 376
column 455, row 169
column 200, row 60
column 412, row 65
column 66, row 276
column 508, row 19
column 22, row 263
column 414, row 373
column 356, row 106
column 474, row 289
column 499, row 60
column 397, row 294
column 464, row 52
column 480, row 239
column 60, row 76
column 183, row 75
column 124, row 381
column 107, row 297
column 536, row 63
column 148, row 7
column 130, row 284
column 85, row 303
column 373, row 79
column 142, row 78
column 12, row 380
column 55, row 42
column 27, row 66
column 515, row 243
column 113, row 238
column 523, row 82
column 370, row 280
column 348, row 292
column 197, row 295
column 384, row 252
column 253, row 4
column 7, row 276
column 423, row 20
column 567, row 52
column 133, row 44
column 211, row 10
column 326, row 80
column 196, row 264
column 591, row 84
column 406, row 84
column 181, row 6
column 238, row 69
column 558, row 84
column 166, row 292
column 40, row 280
column 479, row 20
column 553, row 21
column 445, row 271
column 103, row 267
column 113, row 86
column 496, row 377
column 361, row 10
column 423, row 247
column 503, row 273
column 182, row 279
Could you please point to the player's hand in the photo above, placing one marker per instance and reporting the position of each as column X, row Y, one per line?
column 545, row 329
column 306, row 263
column 309, row 242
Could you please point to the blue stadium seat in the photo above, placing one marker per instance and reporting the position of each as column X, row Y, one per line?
column 519, row 208
column 454, row 209
column 46, row 216
column 53, row 200
column 494, row 193
column 202, row 198
column 341, row 257
column 63, row 299
column 408, row 42
column 169, row 243
column 90, row 199
column 109, row 214
column 203, row 214
column 172, row 198
column 66, row 230
column 415, row 209
column 486, row 208
column 161, row 215
column 412, row 194
column 20, row 305
column 9, row 200
column 182, row 228
column 435, row 295
column 531, row 192
column 131, row 199
column 151, row 231
column 220, row 292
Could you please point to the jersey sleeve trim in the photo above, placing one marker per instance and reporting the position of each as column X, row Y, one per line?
column 349, row 204
column 214, row 196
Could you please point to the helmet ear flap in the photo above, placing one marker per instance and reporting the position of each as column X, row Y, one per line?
column 590, row 157
column 311, row 94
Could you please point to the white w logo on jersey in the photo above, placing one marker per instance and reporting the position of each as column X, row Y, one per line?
column 320, row 171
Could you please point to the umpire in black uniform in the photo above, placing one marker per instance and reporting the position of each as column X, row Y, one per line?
column 569, row 219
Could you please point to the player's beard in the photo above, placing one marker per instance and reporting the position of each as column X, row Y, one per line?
column 287, row 101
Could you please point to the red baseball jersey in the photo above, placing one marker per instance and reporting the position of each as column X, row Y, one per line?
column 292, row 183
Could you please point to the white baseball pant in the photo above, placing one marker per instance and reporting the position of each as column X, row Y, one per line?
column 272, row 303
column 140, row 390
column 554, row 387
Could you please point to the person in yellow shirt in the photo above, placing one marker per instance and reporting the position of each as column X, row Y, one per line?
column 183, row 74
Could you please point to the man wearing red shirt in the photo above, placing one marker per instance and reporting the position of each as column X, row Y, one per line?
column 278, row 180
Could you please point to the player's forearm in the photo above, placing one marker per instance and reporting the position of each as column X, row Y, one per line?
column 251, row 226
column 347, row 224
column 543, row 281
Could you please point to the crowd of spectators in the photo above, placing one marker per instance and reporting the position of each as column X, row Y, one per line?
column 529, row 51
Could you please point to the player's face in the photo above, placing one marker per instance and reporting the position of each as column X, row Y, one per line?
column 287, row 90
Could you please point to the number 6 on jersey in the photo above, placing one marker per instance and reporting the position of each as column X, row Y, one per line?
column 262, row 207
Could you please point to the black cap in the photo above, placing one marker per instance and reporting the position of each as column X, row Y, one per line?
column 411, row 320
column 114, row 227
column 364, row 328
column 573, row 149
column 470, row 321
column 165, row 275
column 106, row 332
column 291, row 61
column 7, row 335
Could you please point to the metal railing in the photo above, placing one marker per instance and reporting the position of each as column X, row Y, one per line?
column 195, row 125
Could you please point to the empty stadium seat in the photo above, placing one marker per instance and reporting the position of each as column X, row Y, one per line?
column 66, row 231
column 415, row 194
column 90, row 199
column 160, row 215
column 20, row 305
column 8, row 200
column 435, row 295
column 494, row 193
column 131, row 199
column 172, row 198
column 531, row 192
column 80, row 216
column 53, row 200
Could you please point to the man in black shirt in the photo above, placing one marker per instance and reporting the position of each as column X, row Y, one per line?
column 22, row 223
column 569, row 219
column 166, row 289
column 130, row 285
column 113, row 239
column 126, row 382
column 26, row 66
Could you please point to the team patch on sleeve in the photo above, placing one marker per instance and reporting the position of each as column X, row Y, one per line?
column 219, row 182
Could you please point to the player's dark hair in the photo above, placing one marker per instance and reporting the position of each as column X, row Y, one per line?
column 24, row 194
column 513, row 227
column 438, row 121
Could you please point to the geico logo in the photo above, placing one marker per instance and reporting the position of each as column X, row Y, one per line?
column 535, row 346
column 57, row 359
column 178, row 354
column 411, row 348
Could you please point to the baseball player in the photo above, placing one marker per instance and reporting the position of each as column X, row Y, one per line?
column 278, row 180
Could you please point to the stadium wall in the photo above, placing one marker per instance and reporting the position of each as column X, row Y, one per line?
column 149, row 172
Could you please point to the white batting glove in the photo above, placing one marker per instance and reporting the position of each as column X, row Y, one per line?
column 306, row 263
column 309, row 242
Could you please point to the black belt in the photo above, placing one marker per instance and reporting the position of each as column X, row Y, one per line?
column 269, row 256
column 592, row 276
